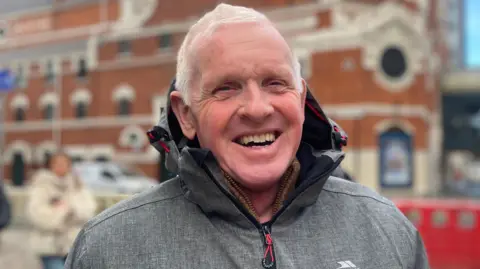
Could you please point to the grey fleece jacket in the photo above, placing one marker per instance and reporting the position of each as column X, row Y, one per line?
column 193, row 221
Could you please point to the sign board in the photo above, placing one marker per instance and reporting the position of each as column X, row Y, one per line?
column 396, row 161
column 7, row 81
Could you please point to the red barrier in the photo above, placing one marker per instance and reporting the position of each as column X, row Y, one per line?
column 449, row 228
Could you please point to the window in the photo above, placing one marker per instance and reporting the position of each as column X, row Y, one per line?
column 394, row 63
column 466, row 220
column 19, row 114
column 49, row 72
column 439, row 219
column 81, row 110
column 20, row 79
column 165, row 41
column 48, row 112
column 82, row 69
column 102, row 159
column 124, row 107
column 133, row 139
column 124, row 47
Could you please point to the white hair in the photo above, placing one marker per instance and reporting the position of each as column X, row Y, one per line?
column 206, row 26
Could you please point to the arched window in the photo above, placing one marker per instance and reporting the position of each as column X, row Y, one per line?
column 124, row 107
column 82, row 69
column 124, row 95
column 80, row 100
column 48, row 103
column 44, row 151
column 132, row 137
column 81, row 110
column 18, row 154
column 19, row 114
column 19, row 105
column 49, row 112
column 49, row 72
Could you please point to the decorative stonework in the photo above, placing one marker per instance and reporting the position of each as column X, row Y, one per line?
column 123, row 92
column 47, row 147
column 101, row 151
column 48, row 98
column 18, row 146
column 385, row 125
column 77, row 151
column 80, row 96
column 399, row 43
column 20, row 100
column 305, row 59
column 133, row 137
column 134, row 13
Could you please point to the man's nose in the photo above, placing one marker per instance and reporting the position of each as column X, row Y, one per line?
column 256, row 103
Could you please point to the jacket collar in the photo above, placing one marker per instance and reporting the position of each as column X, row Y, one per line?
column 203, row 184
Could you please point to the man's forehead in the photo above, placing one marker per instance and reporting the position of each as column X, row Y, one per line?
column 212, row 76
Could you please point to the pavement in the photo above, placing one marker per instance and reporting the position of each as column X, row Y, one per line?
column 15, row 252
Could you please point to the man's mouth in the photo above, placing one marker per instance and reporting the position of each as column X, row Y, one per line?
column 258, row 140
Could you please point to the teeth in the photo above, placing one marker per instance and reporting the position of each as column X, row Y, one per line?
column 260, row 138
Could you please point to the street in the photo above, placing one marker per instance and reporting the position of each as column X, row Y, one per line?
column 14, row 250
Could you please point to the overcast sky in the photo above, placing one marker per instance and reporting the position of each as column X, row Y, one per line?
column 472, row 33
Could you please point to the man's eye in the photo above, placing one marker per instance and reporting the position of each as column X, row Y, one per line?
column 275, row 83
column 223, row 89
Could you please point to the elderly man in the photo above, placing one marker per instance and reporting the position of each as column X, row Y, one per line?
column 254, row 186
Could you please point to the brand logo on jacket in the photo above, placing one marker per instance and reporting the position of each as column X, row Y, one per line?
column 346, row 264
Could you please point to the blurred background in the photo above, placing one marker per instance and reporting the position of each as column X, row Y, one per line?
column 400, row 77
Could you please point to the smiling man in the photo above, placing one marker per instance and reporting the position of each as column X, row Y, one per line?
column 254, row 156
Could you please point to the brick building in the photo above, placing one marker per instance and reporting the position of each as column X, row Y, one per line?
column 92, row 75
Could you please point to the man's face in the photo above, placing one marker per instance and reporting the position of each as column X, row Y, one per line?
column 245, row 105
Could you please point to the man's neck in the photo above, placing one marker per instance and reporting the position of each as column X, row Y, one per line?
column 263, row 205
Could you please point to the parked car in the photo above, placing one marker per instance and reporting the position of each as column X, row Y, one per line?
column 112, row 177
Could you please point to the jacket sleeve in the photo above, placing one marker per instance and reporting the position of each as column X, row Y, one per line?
column 421, row 258
column 83, row 204
column 75, row 257
column 41, row 212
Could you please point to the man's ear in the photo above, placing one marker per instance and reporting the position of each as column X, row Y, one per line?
column 303, row 95
column 183, row 113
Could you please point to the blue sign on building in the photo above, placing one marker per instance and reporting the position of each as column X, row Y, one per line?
column 396, row 160
column 7, row 81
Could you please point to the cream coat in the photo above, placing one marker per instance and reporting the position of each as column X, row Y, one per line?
column 55, row 227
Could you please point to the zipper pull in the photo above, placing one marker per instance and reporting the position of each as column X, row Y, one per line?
column 268, row 260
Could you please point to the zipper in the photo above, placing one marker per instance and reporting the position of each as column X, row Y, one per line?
column 268, row 260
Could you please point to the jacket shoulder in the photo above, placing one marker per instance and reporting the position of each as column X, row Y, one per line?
column 356, row 191
column 126, row 219
column 367, row 206
column 163, row 192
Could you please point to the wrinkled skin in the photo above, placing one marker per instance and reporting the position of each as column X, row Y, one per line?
column 245, row 84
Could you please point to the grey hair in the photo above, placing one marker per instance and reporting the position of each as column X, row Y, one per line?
column 206, row 26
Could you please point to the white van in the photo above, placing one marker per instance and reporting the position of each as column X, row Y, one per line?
column 112, row 177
